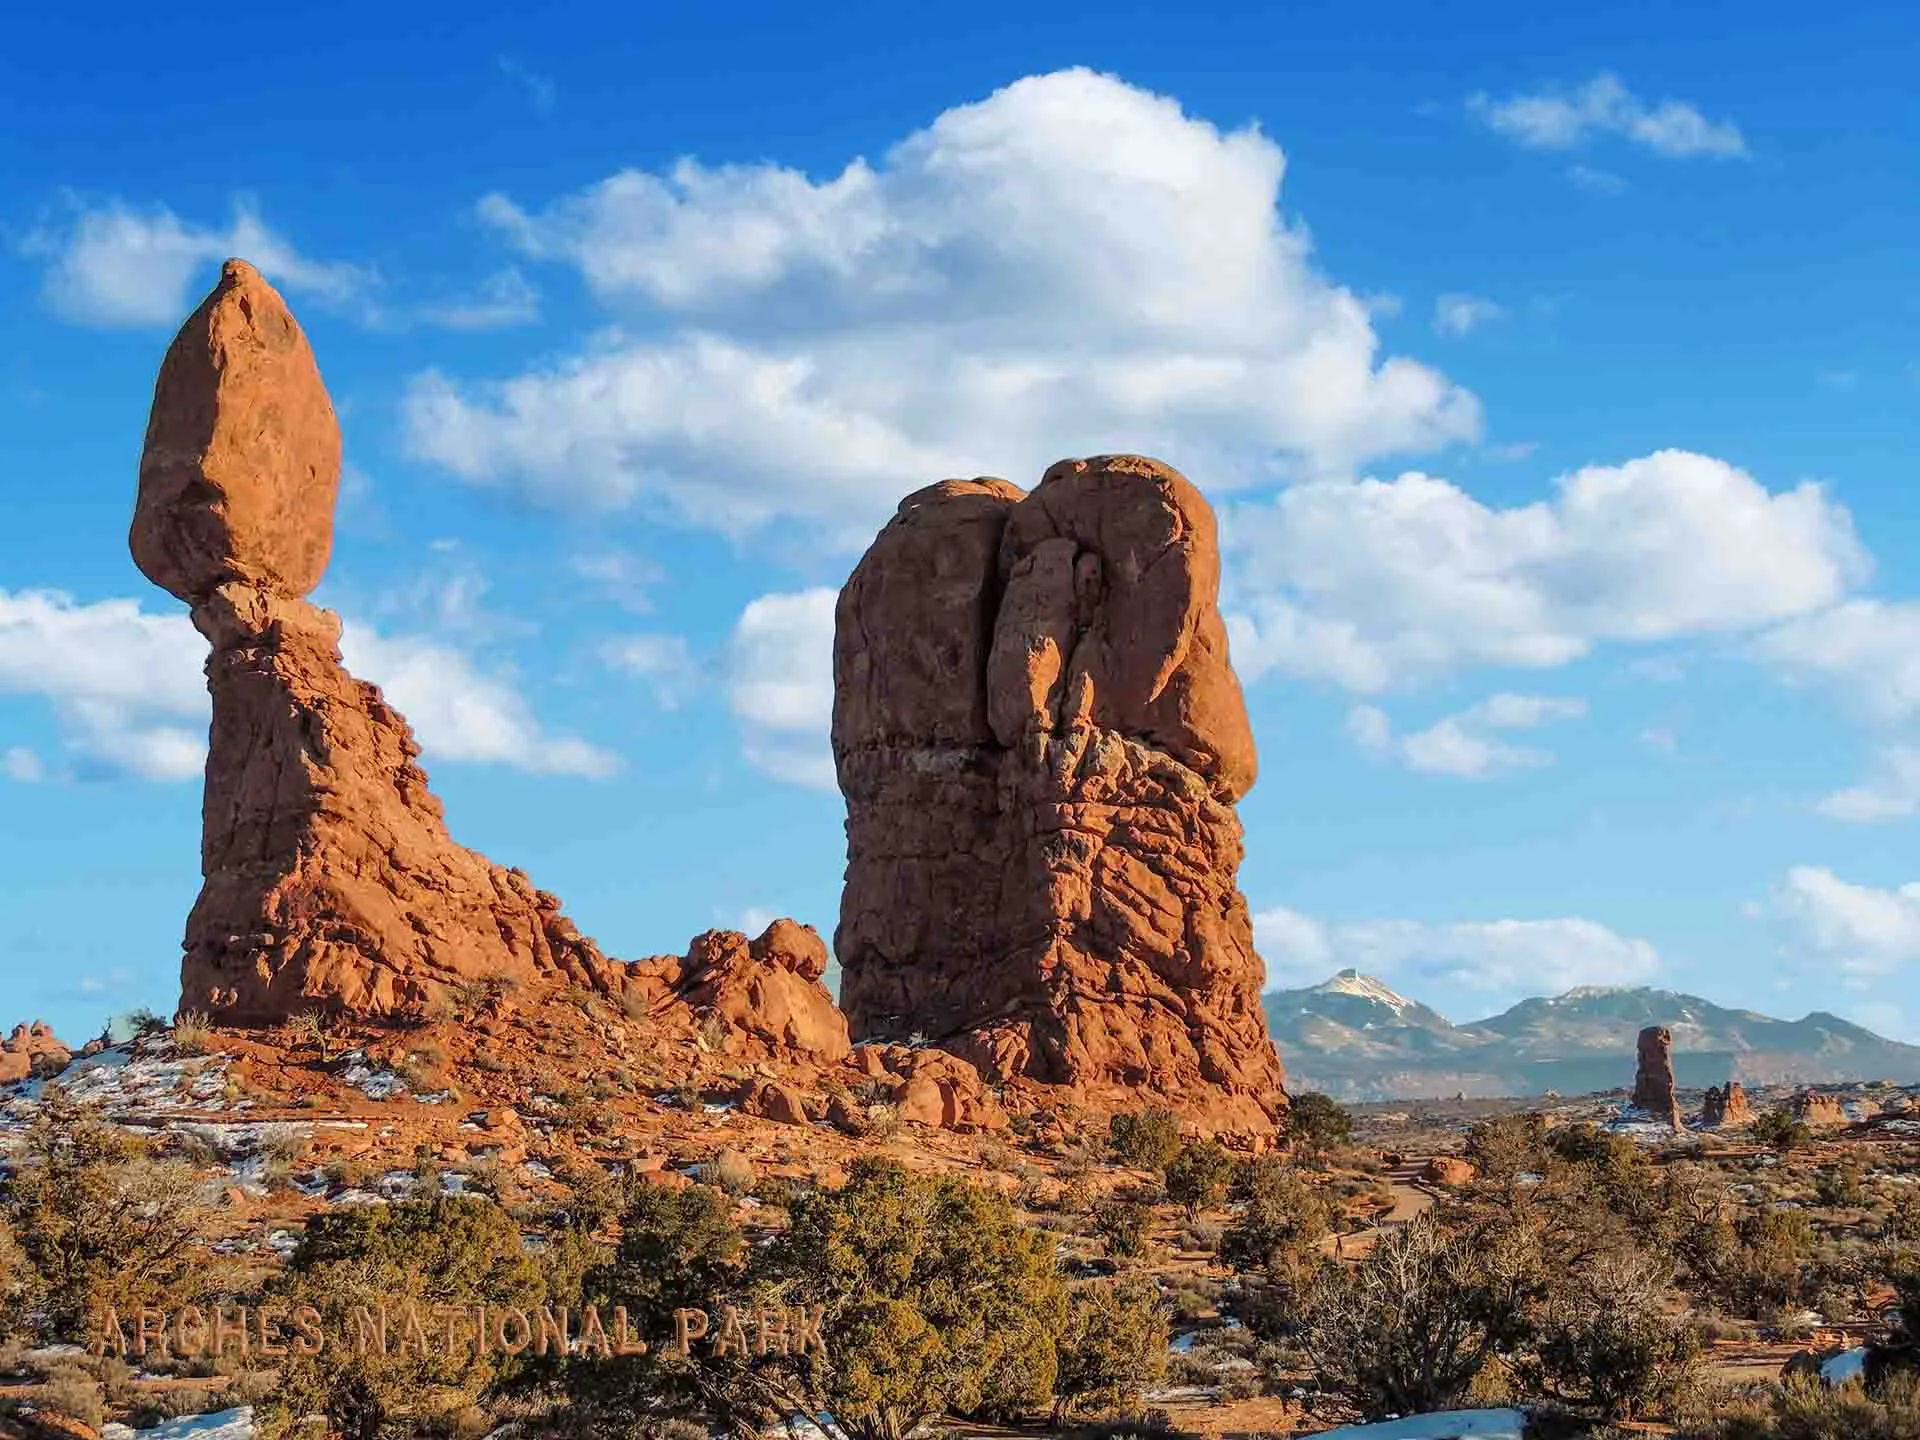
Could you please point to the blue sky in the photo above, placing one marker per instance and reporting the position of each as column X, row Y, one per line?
column 1555, row 377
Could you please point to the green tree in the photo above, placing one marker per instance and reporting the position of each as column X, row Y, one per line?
column 1279, row 1224
column 936, row 1300
column 404, row 1259
column 1411, row 1327
column 1778, row 1130
column 1114, row 1347
column 103, row 1223
column 1125, row 1227
column 1317, row 1125
column 1148, row 1138
column 1197, row 1176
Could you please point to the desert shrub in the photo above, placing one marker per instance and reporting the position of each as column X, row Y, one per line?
column 1124, row 1226
column 677, row 1250
column 1803, row 1409
column 1506, row 1147
column 1203, row 1235
column 1148, row 1138
column 1197, row 1176
column 20, row 1287
column 1840, row 1186
column 1317, row 1125
column 1114, row 1347
column 1411, row 1326
column 1902, row 1224
column 192, row 1029
column 1769, row 1266
column 1778, row 1130
column 1279, row 1224
column 1602, row 1338
column 936, row 1299
column 71, row 1392
column 729, row 1171
column 101, row 1223
column 404, row 1259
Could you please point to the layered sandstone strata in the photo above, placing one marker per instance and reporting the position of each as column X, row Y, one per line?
column 1041, row 743
column 330, row 879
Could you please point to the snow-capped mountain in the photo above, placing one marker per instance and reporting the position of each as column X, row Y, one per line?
column 1355, row 1037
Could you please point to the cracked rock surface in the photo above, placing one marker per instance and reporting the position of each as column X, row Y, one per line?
column 1041, row 742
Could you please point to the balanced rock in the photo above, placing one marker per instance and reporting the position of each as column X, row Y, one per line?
column 1653, row 1087
column 1041, row 742
column 1726, row 1106
column 330, row 879
column 32, row 1050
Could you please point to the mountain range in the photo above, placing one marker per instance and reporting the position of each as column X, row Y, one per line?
column 1354, row 1038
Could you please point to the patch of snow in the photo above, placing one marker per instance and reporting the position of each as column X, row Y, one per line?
column 537, row 1170
column 1446, row 1425
column 374, row 1084
column 1847, row 1365
column 718, row 1108
column 434, row 1097
column 1352, row 982
column 220, row 1425
column 356, row 1197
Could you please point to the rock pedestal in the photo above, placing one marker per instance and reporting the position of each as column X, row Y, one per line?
column 1041, row 743
column 1726, row 1106
column 1653, row 1088
column 330, row 879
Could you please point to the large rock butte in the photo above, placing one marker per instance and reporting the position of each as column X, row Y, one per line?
column 1726, row 1106
column 1041, row 743
column 330, row 879
column 1653, row 1087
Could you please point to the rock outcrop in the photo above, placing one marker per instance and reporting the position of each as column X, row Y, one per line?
column 1726, row 1106
column 766, row 993
column 330, row 879
column 1041, row 743
column 1653, row 1088
column 1817, row 1109
column 1447, row 1170
column 32, row 1050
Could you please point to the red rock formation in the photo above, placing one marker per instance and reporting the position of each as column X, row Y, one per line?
column 1726, row 1107
column 1041, row 742
column 1447, row 1170
column 1817, row 1109
column 1653, row 1089
column 32, row 1050
column 767, row 993
column 330, row 879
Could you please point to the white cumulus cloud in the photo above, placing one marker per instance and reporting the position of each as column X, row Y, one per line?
column 1567, row 119
column 1374, row 583
column 780, row 685
column 1891, row 793
column 1864, row 931
column 127, row 688
column 115, row 264
column 1467, row 744
column 1506, row 959
column 1070, row 266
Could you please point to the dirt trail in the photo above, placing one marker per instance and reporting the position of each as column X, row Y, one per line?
column 1411, row 1198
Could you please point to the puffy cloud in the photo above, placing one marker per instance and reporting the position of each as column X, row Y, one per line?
column 1463, row 314
column 665, row 662
column 1867, row 650
column 126, row 686
column 462, row 713
column 19, row 764
column 1371, row 583
column 780, row 685
column 505, row 299
column 128, row 691
column 1505, row 958
column 1467, row 744
column 1567, row 119
column 1069, row 266
column 1864, row 931
column 117, row 265
column 1892, row 793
